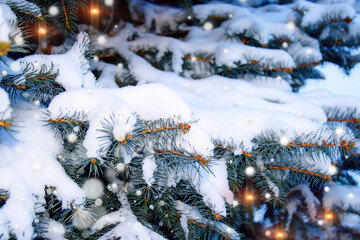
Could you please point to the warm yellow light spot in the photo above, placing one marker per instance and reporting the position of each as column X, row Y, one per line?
column 94, row 11
column 329, row 216
column 93, row 160
column 42, row 31
column 249, row 197
column 279, row 235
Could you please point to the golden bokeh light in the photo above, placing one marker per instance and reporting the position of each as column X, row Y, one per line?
column 42, row 31
column 329, row 216
column 94, row 11
column 249, row 197
column 280, row 235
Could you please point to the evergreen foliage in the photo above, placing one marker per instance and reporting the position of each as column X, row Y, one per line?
column 155, row 180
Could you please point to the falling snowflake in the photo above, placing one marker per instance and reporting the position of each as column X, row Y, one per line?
column 93, row 188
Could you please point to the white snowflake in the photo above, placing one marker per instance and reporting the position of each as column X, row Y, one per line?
column 208, row 26
column 72, row 138
column 250, row 171
column 53, row 10
column 93, row 188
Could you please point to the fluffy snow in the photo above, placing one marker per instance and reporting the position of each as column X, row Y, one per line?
column 311, row 201
column 225, row 109
column 93, row 188
column 131, row 228
column 259, row 24
column 4, row 105
column 189, row 212
column 26, row 175
column 98, row 105
column 273, row 13
column 261, row 30
column 260, row 213
column 210, row 104
column 291, row 208
column 272, row 186
column 72, row 67
column 239, row 94
column 128, row 228
column 149, row 167
column 161, row 15
column 219, row 182
column 212, row 197
column 55, row 230
column 197, row 101
column 7, row 22
column 340, row 195
column 245, row 54
column 315, row 13
column 101, row 104
column 304, row 54
column 336, row 80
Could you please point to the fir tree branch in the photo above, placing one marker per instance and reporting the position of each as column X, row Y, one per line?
column 208, row 228
column 179, row 154
column 65, row 14
column 301, row 171
column 5, row 124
